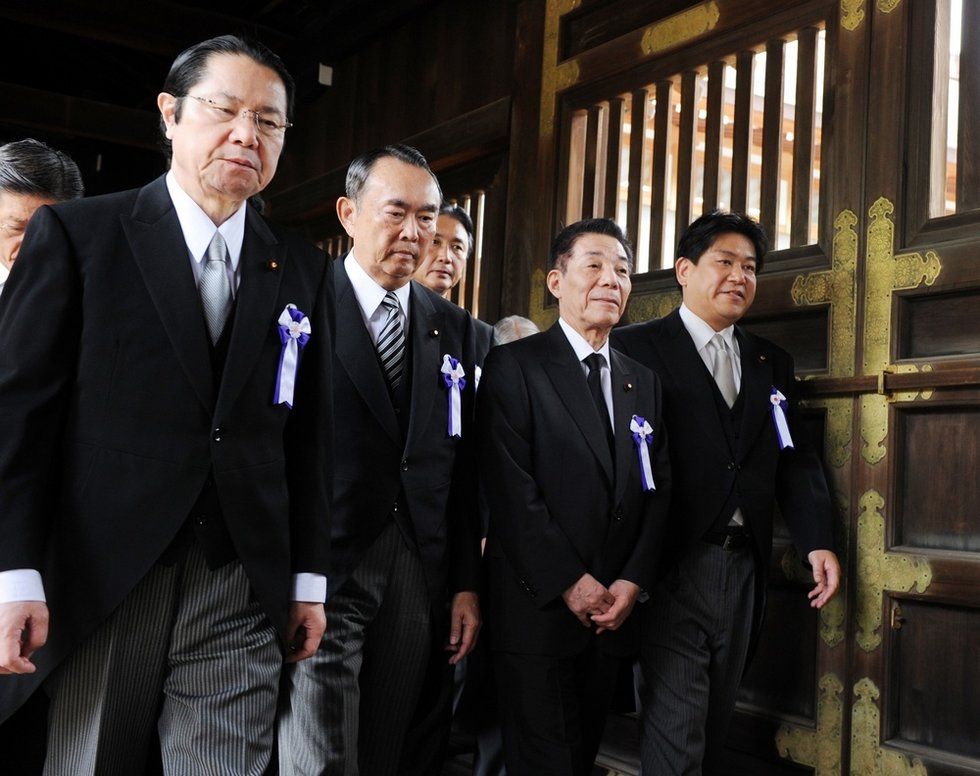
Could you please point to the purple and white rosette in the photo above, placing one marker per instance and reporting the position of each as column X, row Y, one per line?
column 643, row 437
column 779, row 410
column 294, row 331
column 454, row 376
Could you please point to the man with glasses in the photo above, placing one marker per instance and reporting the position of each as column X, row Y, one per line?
column 164, row 395
column 31, row 175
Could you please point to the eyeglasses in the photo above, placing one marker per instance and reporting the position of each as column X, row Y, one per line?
column 269, row 125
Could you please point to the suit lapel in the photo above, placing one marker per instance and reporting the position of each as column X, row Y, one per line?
column 756, row 387
column 624, row 405
column 565, row 372
column 356, row 354
column 426, row 361
column 685, row 369
column 255, row 312
column 159, row 250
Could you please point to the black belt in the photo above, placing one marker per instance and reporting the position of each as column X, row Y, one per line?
column 734, row 537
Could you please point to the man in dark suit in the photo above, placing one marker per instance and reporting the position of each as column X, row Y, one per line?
column 575, row 460
column 404, row 551
column 735, row 450
column 164, row 386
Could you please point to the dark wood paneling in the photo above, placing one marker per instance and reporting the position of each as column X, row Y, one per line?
column 968, row 136
column 772, row 137
column 803, row 334
column 591, row 153
column 614, row 136
column 637, row 115
column 685, row 151
column 598, row 23
column 937, row 478
column 781, row 676
column 937, row 325
column 742, row 130
column 713, row 134
column 937, row 678
column 803, row 135
column 661, row 127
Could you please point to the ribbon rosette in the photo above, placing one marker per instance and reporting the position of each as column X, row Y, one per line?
column 294, row 331
column 779, row 409
column 643, row 437
column 454, row 377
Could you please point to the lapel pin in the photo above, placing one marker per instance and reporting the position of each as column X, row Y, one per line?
column 627, row 386
column 763, row 358
column 272, row 265
column 434, row 333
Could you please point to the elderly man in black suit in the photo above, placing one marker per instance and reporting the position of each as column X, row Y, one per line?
column 575, row 460
column 405, row 546
column 735, row 450
column 164, row 399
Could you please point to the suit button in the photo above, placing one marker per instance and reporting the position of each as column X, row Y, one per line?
column 201, row 520
column 731, row 466
column 395, row 508
column 216, row 435
column 618, row 514
column 404, row 464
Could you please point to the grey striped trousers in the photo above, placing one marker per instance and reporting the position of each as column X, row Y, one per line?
column 189, row 652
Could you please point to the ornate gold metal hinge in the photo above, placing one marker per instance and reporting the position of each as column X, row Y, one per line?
column 820, row 748
column 867, row 756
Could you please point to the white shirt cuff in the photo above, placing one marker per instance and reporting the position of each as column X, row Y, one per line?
column 309, row 588
column 21, row 585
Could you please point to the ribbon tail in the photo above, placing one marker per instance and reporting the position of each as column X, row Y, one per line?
column 286, row 379
column 646, row 470
column 782, row 427
column 455, row 412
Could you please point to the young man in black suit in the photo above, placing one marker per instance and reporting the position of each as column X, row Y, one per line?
column 735, row 450
column 577, row 477
column 405, row 547
column 164, row 398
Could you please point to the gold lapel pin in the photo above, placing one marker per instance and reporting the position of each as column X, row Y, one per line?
column 272, row 265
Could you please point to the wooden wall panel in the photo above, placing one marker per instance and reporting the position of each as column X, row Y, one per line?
column 804, row 334
column 933, row 325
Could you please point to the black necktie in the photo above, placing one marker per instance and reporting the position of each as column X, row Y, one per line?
column 595, row 362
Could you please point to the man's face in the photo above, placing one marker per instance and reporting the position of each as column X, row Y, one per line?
column 393, row 220
column 720, row 288
column 15, row 211
column 445, row 261
column 222, row 159
column 593, row 290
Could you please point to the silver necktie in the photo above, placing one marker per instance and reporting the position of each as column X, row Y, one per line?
column 215, row 287
column 723, row 372
column 391, row 342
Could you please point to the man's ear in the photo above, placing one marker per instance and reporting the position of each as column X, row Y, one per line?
column 167, row 104
column 554, row 283
column 346, row 211
column 682, row 268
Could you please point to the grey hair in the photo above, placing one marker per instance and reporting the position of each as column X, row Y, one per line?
column 511, row 328
column 360, row 169
column 31, row 167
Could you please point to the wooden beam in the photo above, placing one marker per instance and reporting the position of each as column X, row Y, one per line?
column 61, row 114
column 772, row 139
column 806, row 63
column 685, row 151
column 742, row 130
column 614, row 134
column 638, row 114
column 713, row 135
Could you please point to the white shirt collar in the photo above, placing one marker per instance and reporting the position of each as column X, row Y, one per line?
column 702, row 333
column 4, row 273
column 581, row 347
column 199, row 229
column 368, row 292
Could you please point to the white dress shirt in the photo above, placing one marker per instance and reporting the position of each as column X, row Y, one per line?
column 702, row 334
column 582, row 351
column 4, row 274
column 198, row 230
column 369, row 295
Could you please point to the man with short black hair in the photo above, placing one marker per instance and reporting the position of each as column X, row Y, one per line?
column 164, row 395
column 735, row 451
column 32, row 174
column 578, row 481
column 404, row 552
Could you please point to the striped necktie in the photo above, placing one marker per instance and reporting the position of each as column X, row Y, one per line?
column 391, row 342
column 723, row 371
column 215, row 288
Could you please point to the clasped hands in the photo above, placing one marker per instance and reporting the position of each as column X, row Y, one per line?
column 595, row 604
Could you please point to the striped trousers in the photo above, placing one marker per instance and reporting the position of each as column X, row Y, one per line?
column 188, row 655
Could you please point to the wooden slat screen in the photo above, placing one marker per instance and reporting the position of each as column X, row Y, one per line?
column 742, row 131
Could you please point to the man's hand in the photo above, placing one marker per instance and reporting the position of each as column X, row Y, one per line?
column 625, row 593
column 23, row 631
column 587, row 597
column 304, row 629
column 464, row 625
column 826, row 573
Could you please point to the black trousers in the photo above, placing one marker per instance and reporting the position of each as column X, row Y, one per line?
column 553, row 710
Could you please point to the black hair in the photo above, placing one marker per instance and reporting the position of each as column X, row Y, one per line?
column 701, row 234
column 561, row 246
column 360, row 169
column 31, row 167
column 191, row 65
column 455, row 211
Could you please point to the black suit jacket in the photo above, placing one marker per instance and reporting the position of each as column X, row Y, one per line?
column 705, row 468
column 559, row 506
column 110, row 422
column 428, row 472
